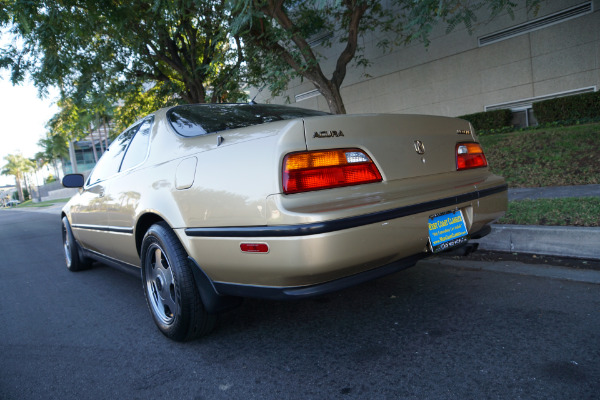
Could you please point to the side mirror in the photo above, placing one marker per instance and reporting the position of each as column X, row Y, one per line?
column 73, row 181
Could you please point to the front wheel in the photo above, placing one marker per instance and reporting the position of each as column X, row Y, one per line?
column 74, row 259
column 169, row 287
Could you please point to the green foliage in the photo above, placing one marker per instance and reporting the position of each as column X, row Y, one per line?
column 136, row 104
column 490, row 120
column 420, row 17
column 277, row 34
column 546, row 157
column 568, row 109
column 94, row 47
column 99, row 52
column 18, row 166
column 280, row 40
column 50, row 179
column 584, row 211
column 54, row 147
column 25, row 195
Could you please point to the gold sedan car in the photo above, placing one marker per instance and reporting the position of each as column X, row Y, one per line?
column 219, row 202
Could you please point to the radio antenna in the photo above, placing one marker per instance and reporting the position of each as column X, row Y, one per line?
column 259, row 90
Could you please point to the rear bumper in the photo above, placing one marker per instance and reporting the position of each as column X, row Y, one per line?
column 220, row 289
column 300, row 292
column 318, row 254
column 341, row 224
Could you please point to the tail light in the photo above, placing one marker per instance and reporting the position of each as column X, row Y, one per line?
column 469, row 155
column 325, row 169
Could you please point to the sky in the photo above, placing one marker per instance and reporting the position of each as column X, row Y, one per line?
column 23, row 118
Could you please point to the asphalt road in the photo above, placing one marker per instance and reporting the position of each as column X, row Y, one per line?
column 431, row 332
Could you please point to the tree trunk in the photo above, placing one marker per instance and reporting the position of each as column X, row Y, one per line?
column 20, row 189
column 26, row 184
column 93, row 144
column 334, row 98
column 105, row 129
column 56, row 172
column 73, row 157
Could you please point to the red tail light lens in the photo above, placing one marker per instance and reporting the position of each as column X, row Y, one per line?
column 315, row 170
column 254, row 247
column 469, row 155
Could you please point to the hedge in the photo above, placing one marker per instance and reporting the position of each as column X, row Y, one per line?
column 489, row 120
column 571, row 108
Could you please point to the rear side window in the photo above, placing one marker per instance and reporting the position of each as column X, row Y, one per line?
column 128, row 150
column 138, row 148
column 201, row 119
column 109, row 163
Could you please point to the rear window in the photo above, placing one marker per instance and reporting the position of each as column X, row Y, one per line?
column 201, row 119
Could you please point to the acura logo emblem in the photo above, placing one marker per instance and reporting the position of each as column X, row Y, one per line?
column 419, row 147
column 326, row 134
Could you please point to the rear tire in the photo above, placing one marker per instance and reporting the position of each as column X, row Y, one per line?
column 171, row 293
column 73, row 256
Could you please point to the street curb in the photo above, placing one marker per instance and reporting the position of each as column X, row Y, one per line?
column 562, row 241
column 553, row 192
column 519, row 268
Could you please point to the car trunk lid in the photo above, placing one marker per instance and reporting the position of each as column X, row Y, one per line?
column 402, row 146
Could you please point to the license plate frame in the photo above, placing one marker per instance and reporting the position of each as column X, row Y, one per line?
column 447, row 230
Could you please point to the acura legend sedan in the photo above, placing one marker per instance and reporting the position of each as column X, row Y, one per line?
column 218, row 202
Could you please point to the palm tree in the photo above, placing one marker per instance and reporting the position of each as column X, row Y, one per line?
column 55, row 148
column 18, row 166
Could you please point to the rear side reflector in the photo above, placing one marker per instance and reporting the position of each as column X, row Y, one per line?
column 469, row 155
column 325, row 169
column 254, row 247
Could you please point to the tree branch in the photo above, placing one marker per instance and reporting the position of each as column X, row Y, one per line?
column 349, row 51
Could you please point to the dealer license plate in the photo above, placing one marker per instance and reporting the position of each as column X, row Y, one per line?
column 447, row 230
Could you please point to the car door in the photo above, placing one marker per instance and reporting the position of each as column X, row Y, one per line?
column 125, row 190
column 89, row 218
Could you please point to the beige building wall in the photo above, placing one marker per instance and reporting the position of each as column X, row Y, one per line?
column 456, row 76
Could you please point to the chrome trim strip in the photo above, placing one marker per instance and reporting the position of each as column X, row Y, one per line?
column 103, row 228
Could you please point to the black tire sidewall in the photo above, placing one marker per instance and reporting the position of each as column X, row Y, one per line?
column 186, row 299
column 77, row 262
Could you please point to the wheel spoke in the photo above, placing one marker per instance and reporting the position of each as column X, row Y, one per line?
column 169, row 302
column 67, row 245
column 158, row 258
column 160, row 284
column 151, row 272
column 175, row 305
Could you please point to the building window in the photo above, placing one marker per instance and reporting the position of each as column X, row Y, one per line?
column 523, row 117
column 307, row 95
column 539, row 23
column 523, row 109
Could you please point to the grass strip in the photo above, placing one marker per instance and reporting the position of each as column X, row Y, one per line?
column 48, row 203
column 546, row 157
column 572, row 211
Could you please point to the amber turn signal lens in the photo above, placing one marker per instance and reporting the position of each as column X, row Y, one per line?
column 469, row 155
column 316, row 170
